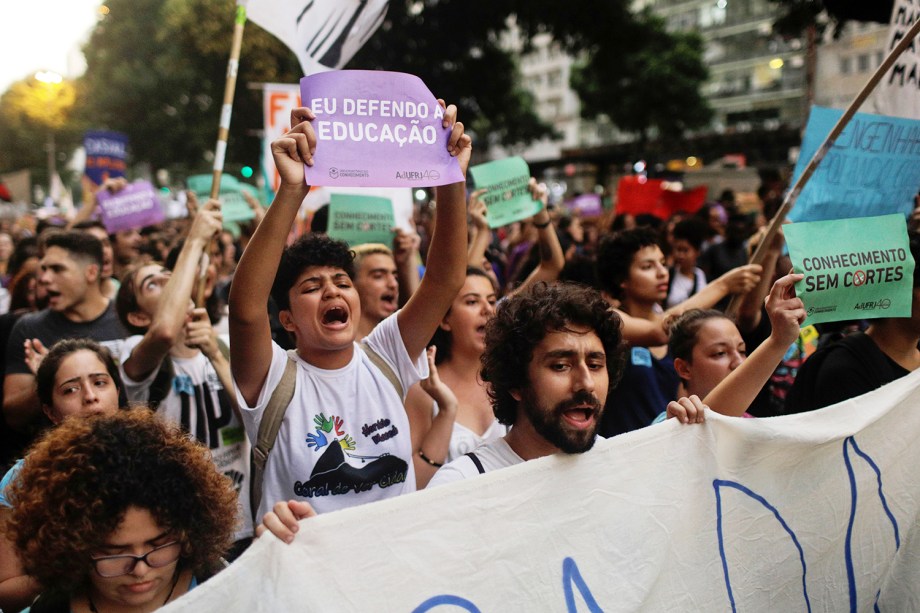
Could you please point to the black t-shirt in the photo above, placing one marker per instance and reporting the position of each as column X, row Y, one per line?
column 842, row 370
column 50, row 326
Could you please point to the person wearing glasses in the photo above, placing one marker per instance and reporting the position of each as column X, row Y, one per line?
column 119, row 513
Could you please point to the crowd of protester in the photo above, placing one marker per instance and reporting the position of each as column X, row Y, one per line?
column 375, row 370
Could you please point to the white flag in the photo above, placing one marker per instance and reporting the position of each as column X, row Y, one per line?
column 898, row 93
column 811, row 512
column 324, row 34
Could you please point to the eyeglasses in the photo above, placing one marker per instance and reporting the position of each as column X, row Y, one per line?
column 116, row 566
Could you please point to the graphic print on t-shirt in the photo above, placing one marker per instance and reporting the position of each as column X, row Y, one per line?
column 210, row 421
column 341, row 467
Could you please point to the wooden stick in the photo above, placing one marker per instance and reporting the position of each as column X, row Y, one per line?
column 223, row 131
column 761, row 252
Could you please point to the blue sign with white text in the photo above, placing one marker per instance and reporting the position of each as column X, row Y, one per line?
column 873, row 168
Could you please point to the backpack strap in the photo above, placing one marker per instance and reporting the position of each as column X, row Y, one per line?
column 272, row 417
column 384, row 367
column 475, row 459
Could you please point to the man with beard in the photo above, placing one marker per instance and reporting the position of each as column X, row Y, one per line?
column 551, row 356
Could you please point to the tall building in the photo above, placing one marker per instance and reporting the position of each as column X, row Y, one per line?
column 757, row 86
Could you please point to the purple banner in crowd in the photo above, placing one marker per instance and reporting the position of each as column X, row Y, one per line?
column 377, row 129
column 135, row 206
column 586, row 205
column 105, row 155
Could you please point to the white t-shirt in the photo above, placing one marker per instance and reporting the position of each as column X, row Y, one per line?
column 681, row 287
column 493, row 455
column 197, row 401
column 344, row 440
column 463, row 440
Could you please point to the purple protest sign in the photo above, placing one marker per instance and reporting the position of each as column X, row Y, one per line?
column 135, row 206
column 377, row 129
column 586, row 205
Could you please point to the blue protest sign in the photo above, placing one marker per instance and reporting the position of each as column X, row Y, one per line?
column 105, row 155
column 872, row 169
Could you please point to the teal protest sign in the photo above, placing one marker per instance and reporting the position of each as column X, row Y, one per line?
column 854, row 268
column 872, row 169
column 507, row 197
column 234, row 207
column 361, row 219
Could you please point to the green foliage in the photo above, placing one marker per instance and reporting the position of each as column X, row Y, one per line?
column 656, row 87
column 798, row 15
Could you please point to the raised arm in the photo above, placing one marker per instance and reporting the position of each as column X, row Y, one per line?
column 445, row 269
column 481, row 233
column 250, row 331
column 430, row 435
column 552, row 259
column 91, row 200
column 738, row 390
column 174, row 303
column 405, row 255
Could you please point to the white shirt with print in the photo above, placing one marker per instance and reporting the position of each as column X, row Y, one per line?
column 344, row 440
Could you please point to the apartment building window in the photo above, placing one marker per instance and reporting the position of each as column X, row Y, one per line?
column 846, row 65
column 862, row 62
column 554, row 78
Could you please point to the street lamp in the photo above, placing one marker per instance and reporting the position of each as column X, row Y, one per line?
column 51, row 80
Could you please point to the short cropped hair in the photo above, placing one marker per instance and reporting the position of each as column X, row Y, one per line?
column 47, row 371
column 309, row 250
column 81, row 245
column 79, row 480
column 615, row 254
column 366, row 249
column 521, row 323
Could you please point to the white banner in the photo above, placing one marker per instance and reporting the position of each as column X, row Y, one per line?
column 324, row 34
column 817, row 511
column 897, row 92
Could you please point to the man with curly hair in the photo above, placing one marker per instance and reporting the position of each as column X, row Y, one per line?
column 344, row 439
column 119, row 512
column 552, row 353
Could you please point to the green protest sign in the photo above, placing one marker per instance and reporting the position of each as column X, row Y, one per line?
column 854, row 268
column 507, row 197
column 233, row 205
column 361, row 219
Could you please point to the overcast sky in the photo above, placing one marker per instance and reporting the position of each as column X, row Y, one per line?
column 44, row 35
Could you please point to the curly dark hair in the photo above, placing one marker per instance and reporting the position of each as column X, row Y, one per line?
column 615, row 254
column 522, row 322
column 309, row 250
column 47, row 371
column 442, row 339
column 79, row 480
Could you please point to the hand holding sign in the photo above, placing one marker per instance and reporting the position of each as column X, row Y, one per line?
column 785, row 310
column 382, row 129
column 295, row 148
column 207, row 222
column 741, row 280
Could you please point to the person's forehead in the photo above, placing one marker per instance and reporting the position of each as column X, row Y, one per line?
column 321, row 271
column 377, row 261
column 82, row 361
column 574, row 337
column 649, row 252
column 57, row 255
column 718, row 329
